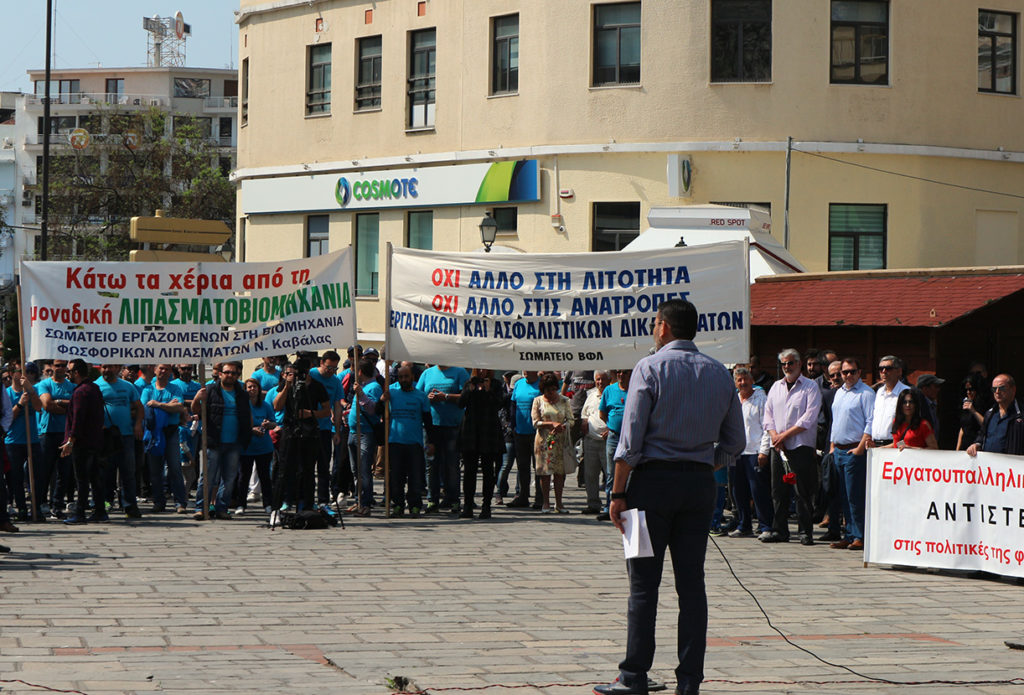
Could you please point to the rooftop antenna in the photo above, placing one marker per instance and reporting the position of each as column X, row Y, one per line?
column 165, row 44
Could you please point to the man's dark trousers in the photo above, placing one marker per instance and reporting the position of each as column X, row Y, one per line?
column 678, row 503
column 804, row 464
column 524, row 461
column 88, row 472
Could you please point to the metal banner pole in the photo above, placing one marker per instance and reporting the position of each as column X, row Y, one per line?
column 27, row 412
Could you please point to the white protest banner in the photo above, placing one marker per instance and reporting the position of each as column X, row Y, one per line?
column 186, row 312
column 562, row 311
column 944, row 509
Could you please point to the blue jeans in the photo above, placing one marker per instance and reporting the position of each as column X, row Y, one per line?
column 506, row 468
column 751, row 482
column 678, row 506
column 445, row 465
column 17, row 477
column 171, row 459
column 221, row 470
column 853, row 470
column 610, row 445
column 121, row 464
column 721, row 480
column 362, row 456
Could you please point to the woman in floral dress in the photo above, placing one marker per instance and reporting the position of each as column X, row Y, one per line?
column 555, row 455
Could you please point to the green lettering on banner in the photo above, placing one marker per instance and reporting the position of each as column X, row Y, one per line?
column 346, row 298
column 205, row 312
column 316, row 299
column 160, row 315
column 189, row 310
column 125, row 315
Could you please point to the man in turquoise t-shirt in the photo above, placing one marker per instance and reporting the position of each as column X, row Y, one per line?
column 327, row 376
column 55, row 395
column 163, row 395
column 443, row 385
column 363, row 450
column 410, row 416
column 613, row 403
column 523, row 393
column 122, row 409
column 24, row 399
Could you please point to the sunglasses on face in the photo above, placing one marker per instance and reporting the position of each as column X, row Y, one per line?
column 789, row 363
column 834, row 375
column 230, row 373
column 885, row 367
column 1001, row 387
column 849, row 372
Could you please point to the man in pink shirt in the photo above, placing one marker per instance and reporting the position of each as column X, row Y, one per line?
column 791, row 420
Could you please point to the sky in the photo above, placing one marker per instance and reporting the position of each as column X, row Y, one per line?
column 108, row 33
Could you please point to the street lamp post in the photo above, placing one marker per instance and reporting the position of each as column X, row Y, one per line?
column 488, row 231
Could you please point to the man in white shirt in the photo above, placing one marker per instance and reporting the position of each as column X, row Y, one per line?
column 886, row 398
column 595, row 456
column 750, row 476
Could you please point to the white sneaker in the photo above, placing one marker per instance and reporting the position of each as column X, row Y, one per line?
column 274, row 516
column 253, row 497
column 342, row 498
column 240, row 511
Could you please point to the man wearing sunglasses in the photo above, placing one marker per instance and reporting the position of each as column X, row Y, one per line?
column 1002, row 431
column 887, row 398
column 228, row 430
column 852, row 412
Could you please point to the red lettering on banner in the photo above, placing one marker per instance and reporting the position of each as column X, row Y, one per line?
column 448, row 303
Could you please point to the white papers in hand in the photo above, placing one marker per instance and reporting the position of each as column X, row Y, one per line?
column 636, row 539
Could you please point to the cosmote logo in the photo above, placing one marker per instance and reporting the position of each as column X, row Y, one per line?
column 343, row 192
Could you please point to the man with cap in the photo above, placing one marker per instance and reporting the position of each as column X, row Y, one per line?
column 929, row 385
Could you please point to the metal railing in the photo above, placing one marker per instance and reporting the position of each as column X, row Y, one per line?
column 220, row 102
column 89, row 98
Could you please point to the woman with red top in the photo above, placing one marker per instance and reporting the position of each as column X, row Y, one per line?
column 909, row 427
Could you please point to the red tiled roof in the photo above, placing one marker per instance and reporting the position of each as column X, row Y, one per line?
column 875, row 300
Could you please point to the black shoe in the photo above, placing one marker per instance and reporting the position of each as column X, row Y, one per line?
column 223, row 516
column 603, row 516
column 774, row 537
column 4, row 549
column 132, row 512
column 99, row 518
column 518, row 502
column 537, row 504
column 617, row 688
column 485, row 513
column 75, row 519
column 466, row 513
column 688, row 691
column 806, row 540
column 831, row 536
column 592, row 510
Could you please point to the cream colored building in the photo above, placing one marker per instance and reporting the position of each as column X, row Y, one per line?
column 905, row 119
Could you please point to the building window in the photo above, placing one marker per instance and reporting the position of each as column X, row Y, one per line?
column 367, row 254
column 191, row 87
column 856, row 237
column 505, row 54
column 421, row 230
column 507, row 219
column 224, row 163
column 741, row 40
column 422, row 63
column 997, row 52
column 317, row 235
column 617, row 43
column 368, row 78
column 615, row 225
column 318, row 94
column 245, row 91
column 860, row 42
column 114, row 89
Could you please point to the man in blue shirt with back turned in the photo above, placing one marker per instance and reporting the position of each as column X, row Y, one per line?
column 443, row 386
column 522, row 396
column 680, row 403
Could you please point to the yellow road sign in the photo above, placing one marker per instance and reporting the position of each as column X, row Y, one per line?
column 178, row 230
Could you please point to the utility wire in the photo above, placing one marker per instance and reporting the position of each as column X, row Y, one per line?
column 909, row 176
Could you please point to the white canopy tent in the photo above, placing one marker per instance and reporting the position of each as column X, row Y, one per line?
column 695, row 225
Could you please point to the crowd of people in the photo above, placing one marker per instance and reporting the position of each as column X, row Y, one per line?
column 809, row 431
column 308, row 433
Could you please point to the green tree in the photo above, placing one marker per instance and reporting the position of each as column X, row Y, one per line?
column 134, row 164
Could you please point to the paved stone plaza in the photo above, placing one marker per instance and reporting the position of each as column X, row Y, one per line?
column 166, row 604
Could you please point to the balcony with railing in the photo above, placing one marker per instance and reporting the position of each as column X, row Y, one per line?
column 90, row 99
column 220, row 104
